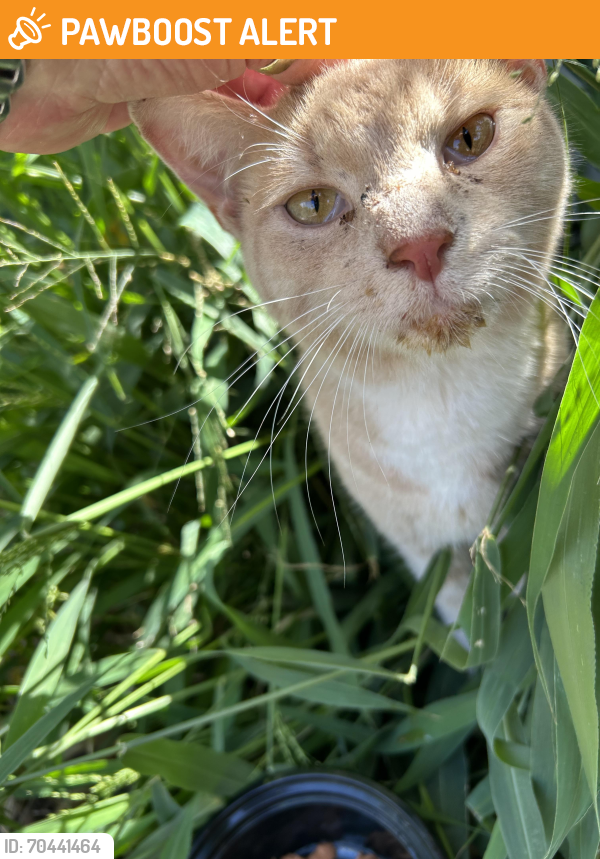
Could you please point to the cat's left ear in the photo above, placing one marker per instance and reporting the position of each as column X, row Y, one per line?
column 201, row 137
column 533, row 72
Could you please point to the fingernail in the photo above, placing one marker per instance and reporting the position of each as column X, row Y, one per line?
column 277, row 67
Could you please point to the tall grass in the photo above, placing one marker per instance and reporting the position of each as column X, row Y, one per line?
column 158, row 651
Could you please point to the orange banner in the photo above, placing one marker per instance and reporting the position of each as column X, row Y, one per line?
column 132, row 29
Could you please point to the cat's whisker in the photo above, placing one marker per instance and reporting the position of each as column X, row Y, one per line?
column 253, row 394
column 291, row 134
column 530, row 280
column 576, row 308
column 304, row 393
column 350, row 379
column 547, row 298
column 578, row 352
column 335, row 514
column 277, row 147
column 294, row 394
column 553, row 303
column 564, row 269
column 572, row 325
column 315, row 346
column 243, row 489
column 253, row 123
column 331, row 299
column 323, row 317
column 346, row 377
column 538, row 291
column 359, row 353
column 252, row 307
column 551, row 211
column 538, row 269
column 514, row 288
column 579, row 264
column 250, row 358
column 365, row 408
column 342, row 375
column 564, row 265
column 568, row 218
column 246, row 167
column 308, row 495
column 237, row 157
column 292, row 406
column 330, row 358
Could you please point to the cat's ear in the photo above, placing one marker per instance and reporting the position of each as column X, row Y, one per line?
column 533, row 72
column 200, row 137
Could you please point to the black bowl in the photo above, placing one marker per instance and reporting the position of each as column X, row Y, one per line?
column 293, row 813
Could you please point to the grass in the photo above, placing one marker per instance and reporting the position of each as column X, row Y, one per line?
column 160, row 651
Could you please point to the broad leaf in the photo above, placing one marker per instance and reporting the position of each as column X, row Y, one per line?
column 565, row 538
column 190, row 766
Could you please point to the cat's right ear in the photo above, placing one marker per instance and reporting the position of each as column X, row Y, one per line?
column 533, row 72
column 200, row 137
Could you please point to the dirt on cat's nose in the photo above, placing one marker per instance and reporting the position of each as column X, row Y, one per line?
column 425, row 254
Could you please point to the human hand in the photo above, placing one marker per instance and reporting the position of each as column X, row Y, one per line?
column 65, row 102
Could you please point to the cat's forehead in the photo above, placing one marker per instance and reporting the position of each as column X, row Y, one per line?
column 370, row 107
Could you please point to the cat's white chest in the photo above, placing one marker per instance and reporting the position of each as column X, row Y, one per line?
column 423, row 450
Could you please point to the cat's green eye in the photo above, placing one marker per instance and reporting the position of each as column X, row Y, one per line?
column 314, row 206
column 470, row 140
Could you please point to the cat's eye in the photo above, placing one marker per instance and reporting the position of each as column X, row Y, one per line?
column 315, row 206
column 470, row 140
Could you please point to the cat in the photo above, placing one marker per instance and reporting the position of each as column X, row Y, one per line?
column 399, row 217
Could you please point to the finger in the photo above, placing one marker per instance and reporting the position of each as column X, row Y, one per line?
column 301, row 70
column 132, row 80
column 65, row 102
column 119, row 118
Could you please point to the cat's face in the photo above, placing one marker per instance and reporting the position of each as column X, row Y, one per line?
column 390, row 195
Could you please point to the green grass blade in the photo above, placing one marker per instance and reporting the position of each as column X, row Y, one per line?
column 90, row 817
column 19, row 751
column 56, row 452
column 482, row 603
column 430, row 757
column 503, row 678
column 327, row 690
column 583, row 839
column 44, row 671
column 181, row 842
column 517, row 810
column 567, row 596
column 479, row 801
column 16, row 578
column 126, row 496
column 433, row 722
column 496, row 848
column 447, row 788
column 316, row 659
column 556, row 766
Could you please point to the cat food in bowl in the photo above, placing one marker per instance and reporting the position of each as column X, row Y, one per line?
column 315, row 815
column 328, row 851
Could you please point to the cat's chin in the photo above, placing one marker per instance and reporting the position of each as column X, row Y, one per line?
column 442, row 329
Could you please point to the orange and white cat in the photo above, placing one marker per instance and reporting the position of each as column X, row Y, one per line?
column 407, row 211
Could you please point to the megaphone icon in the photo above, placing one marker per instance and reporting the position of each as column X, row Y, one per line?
column 26, row 32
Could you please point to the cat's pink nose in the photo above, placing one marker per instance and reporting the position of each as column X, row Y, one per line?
column 426, row 254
